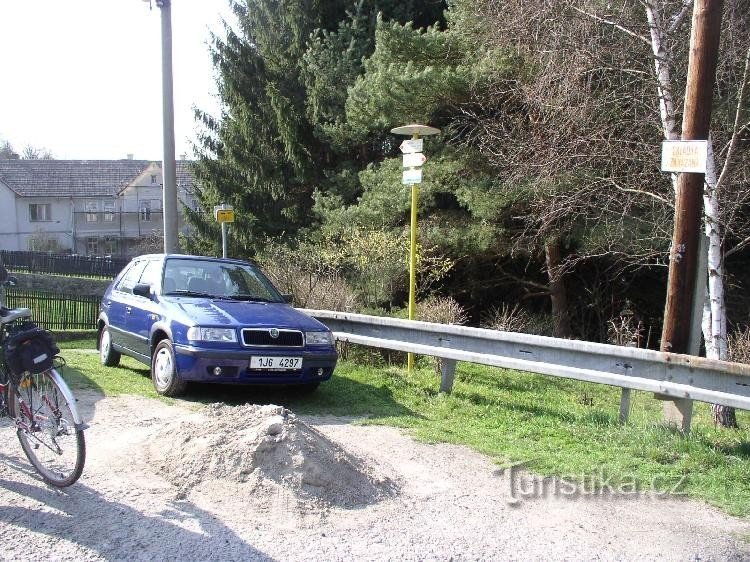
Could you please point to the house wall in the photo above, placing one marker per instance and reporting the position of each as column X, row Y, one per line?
column 73, row 229
column 57, row 230
column 9, row 239
column 96, row 219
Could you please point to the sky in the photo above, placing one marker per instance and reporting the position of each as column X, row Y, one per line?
column 82, row 78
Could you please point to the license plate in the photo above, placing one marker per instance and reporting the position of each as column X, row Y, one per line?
column 276, row 363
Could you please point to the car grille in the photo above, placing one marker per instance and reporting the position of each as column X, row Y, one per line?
column 262, row 337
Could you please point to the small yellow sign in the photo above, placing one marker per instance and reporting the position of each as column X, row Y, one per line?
column 225, row 215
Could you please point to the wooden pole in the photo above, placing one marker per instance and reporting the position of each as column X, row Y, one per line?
column 704, row 50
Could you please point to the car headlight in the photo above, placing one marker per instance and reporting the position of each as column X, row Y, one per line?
column 319, row 338
column 199, row 333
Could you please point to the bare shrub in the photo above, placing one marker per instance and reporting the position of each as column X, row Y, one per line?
column 443, row 310
column 738, row 344
column 322, row 289
column 625, row 330
column 309, row 274
column 508, row 318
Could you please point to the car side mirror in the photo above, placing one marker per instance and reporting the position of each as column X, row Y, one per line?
column 142, row 290
column 289, row 299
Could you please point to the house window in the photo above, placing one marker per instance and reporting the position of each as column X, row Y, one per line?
column 92, row 246
column 39, row 212
column 109, row 212
column 153, row 179
column 92, row 209
column 145, row 211
column 110, row 245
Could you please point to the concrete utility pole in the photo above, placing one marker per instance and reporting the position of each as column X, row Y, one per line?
column 169, row 166
column 704, row 50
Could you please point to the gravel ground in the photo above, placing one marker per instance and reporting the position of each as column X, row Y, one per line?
column 444, row 502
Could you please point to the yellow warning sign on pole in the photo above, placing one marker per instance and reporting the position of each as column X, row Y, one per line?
column 224, row 213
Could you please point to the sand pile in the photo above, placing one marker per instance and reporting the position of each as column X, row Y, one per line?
column 264, row 450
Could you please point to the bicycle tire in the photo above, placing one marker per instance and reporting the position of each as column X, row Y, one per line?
column 49, row 435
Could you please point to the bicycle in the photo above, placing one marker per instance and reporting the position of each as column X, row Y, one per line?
column 35, row 396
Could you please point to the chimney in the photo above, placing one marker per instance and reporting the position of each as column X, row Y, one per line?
column 130, row 156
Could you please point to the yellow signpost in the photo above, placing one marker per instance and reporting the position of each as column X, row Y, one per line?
column 412, row 175
column 224, row 214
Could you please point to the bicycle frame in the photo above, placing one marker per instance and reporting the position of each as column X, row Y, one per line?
column 56, row 377
column 29, row 415
column 48, row 424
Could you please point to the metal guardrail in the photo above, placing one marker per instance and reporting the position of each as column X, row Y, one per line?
column 671, row 375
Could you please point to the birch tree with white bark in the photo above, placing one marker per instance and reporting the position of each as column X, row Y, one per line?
column 661, row 30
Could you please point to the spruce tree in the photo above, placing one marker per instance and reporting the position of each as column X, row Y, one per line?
column 283, row 72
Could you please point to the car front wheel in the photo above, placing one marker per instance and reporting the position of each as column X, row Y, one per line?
column 164, row 371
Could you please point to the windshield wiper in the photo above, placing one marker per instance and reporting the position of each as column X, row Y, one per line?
column 249, row 298
column 186, row 293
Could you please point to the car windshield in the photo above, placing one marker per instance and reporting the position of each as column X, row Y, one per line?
column 216, row 279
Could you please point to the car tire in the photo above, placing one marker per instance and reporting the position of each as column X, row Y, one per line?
column 107, row 354
column 164, row 371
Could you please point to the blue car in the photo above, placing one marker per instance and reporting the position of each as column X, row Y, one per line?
column 195, row 318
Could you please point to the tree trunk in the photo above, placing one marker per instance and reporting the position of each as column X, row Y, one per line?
column 662, row 70
column 724, row 416
column 558, row 296
column 714, row 311
column 662, row 60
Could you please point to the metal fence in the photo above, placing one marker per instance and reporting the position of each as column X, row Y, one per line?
column 669, row 375
column 63, row 264
column 55, row 311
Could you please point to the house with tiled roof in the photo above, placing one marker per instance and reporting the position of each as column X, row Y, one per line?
column 88, row 207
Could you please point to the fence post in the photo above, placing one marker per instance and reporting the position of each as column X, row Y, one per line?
column 447, row 374
column 678, row 412
column 624, row 405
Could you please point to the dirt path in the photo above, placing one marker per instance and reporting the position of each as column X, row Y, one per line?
column 429, row 502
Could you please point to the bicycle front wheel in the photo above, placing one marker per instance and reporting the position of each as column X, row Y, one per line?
column 47, row 428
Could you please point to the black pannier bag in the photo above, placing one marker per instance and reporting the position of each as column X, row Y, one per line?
column 30, row 350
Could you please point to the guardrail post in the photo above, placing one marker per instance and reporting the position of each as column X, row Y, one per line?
column 679, row 412
column 624, row 405
column 447, row 374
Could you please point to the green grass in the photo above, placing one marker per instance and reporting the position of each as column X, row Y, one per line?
column 556, row 426
column 75, row 339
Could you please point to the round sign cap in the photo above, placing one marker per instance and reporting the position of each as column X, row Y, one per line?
column 415, row 129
